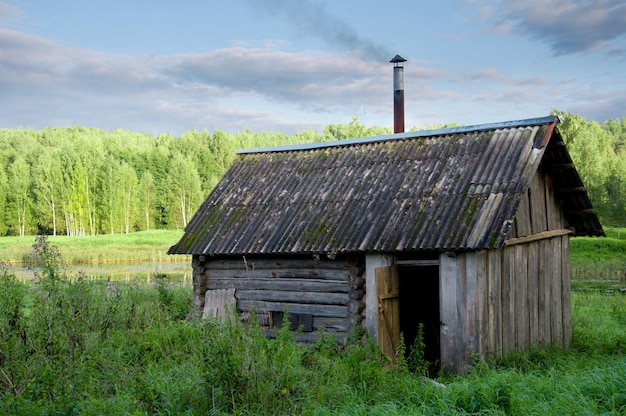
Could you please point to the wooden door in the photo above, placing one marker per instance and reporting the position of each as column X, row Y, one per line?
column 388, row 290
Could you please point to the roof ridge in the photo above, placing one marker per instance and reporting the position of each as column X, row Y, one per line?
column 400, row 136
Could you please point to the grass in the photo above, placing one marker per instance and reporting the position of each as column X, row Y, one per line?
column 138, row 350
column 599, row 263
column 140, row 246
column 75, row 347
column 70, row 346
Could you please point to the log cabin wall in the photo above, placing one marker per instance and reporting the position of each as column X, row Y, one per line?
column 327, row 293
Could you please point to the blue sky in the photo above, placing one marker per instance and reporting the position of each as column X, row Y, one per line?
column 284, row 65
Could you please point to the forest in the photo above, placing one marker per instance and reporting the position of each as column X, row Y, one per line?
column 87, row 181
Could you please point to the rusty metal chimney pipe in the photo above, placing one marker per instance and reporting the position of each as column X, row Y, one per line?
column 398, row 94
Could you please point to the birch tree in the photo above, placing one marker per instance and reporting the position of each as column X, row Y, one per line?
column 47, row 179
column 184, row 185
column 19, row 182
column 147, row 195
column 127, row 190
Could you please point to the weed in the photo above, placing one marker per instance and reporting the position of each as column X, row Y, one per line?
column 72, row 346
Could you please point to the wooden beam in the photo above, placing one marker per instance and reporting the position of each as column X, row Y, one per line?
column 315, row 298
column 295, row 285
column 434, row 262
column 559, row 166
column 330, row 311
column 581, row 211
column 556, row 144
column 570, row 190
column 535, row 237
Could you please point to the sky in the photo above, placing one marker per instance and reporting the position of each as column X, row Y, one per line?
column 164, row 66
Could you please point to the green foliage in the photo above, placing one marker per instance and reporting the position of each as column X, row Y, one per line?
column 86, row 181
column 78, row 347
column 599, row 155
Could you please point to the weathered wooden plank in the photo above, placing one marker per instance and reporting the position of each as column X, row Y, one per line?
column 331, row 324
column 332, row 311
column 451, row 354
column 219, row 303
column 308, row 285
column 539, row 236
column 482, row 298
column 508, row 298
column 495, row 301
column 250, row 263
column 555, row 288
column 472, row 326
column 522, row 217
column 566, row 292
column 537, row 197
column 431, row 262
column 559, row 213
column 307, row 337
column 522, row 316
column 552, row 208
column 544, row 294
column 533, row 293
column 339, row 275
column 318, row 298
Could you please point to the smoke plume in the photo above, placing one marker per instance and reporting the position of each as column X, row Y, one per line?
column 311, row 18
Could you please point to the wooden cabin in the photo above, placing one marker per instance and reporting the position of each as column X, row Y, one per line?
column 464, row 231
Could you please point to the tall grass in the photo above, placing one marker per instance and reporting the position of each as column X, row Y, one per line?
column 71, row 346
column 599, row 263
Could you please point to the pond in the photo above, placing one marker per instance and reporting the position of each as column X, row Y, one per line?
column 179, row 272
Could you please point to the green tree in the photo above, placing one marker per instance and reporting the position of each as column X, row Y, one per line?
column 19, row 198
column 184, row 184
column 3, row 199
column 355, row 129
column 147, row 195
column 47, row 179
column 111, row 195
column 617, row 128
column 127, row 192
column 593, row 153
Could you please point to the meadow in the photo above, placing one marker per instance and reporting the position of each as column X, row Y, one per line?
column 140, row 246
column 73, row 346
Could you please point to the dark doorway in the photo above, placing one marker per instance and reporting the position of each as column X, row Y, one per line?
column 419, row 304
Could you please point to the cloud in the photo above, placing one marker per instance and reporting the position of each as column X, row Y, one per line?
column 9, row 13
column 568, row 26
column 48, row 83
column 263, row 87
column 493, row 76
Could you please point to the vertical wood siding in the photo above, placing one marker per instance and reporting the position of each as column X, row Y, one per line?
column 539, row 210
column 497, row 300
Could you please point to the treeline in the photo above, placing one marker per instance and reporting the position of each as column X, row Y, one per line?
column 86, row 181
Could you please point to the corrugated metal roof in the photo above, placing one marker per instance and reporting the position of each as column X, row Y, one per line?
column 449, row 189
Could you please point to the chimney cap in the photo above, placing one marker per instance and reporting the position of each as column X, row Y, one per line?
column 397, row 59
